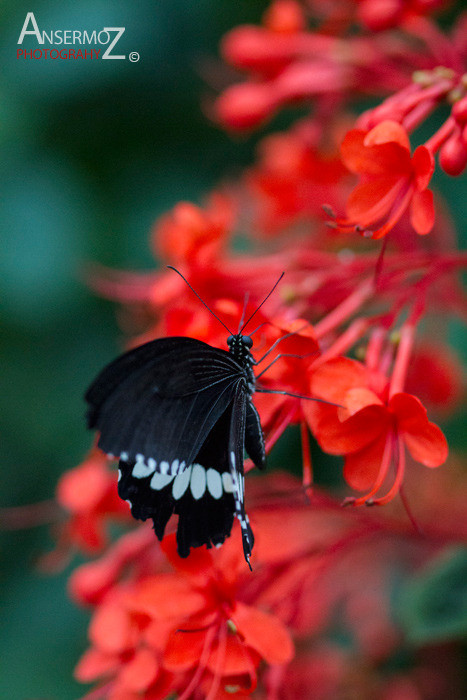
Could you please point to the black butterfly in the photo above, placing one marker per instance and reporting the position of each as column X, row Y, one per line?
column 179, row 415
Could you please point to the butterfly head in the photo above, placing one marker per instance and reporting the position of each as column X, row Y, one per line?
column 239, row 341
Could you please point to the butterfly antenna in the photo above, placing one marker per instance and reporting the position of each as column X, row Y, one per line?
column 245, row 302
column 202, row 300
column 258, row 307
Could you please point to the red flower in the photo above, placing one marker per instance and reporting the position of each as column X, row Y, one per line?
column 184, row 629
column 121, row 656
column 378, row 15
column 133, row 553
column 435, row 373
column 372, row 428
column 89, row 493
column 295, row 175
column 285, row 370
column 189, row 234
column 391, row 180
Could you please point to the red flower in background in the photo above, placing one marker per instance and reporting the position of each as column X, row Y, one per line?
column 295, row 175
column 190, row 235
column 89, row 493
column 391, row 181
column 378, row 15
column 435, row 374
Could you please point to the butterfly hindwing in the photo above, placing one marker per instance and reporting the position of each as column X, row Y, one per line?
column 201, row 494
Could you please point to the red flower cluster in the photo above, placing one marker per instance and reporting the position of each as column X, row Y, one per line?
column 346, row 341
column 195, row 626
column 203, row 626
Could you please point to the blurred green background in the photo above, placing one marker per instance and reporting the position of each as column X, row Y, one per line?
column 91, row 153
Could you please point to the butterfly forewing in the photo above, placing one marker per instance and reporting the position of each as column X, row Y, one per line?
column 160, row 400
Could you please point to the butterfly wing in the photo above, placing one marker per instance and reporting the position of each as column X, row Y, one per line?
column 201, row 495
column 156, row 404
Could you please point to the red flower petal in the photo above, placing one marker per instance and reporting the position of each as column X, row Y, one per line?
column 422, row 212
column 410, row 412
column 183, row 650
column 429, row 446
column 423, row 165
column 167, row 596
column 197, row 566
column 84, row 486
column 357, row 399
column 388, row 131
column 362, row 467
column 111, row 628
column 374, row 160
column 425, row 441
column 371, row 201
column 232, row 658
column 333, row 379
column 95, row 664
column 264, row 633
column 351, row 435
column 140, row 672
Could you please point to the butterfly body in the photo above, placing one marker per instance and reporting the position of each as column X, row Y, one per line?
column 178, row 413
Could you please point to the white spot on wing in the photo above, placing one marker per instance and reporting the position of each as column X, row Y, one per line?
column 141, row 470
column 164, row 467
column 119, row 474
column 227, row 482
column 214, row 483
column 174, row 467
column 181, row 483
column 124, row 456
column 159, row 481
column 198, row 481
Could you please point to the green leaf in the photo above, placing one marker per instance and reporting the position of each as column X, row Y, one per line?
column 432, row 606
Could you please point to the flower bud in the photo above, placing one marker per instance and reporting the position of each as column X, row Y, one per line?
column 453, row 155
column 245, row 106
column 285, row 16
